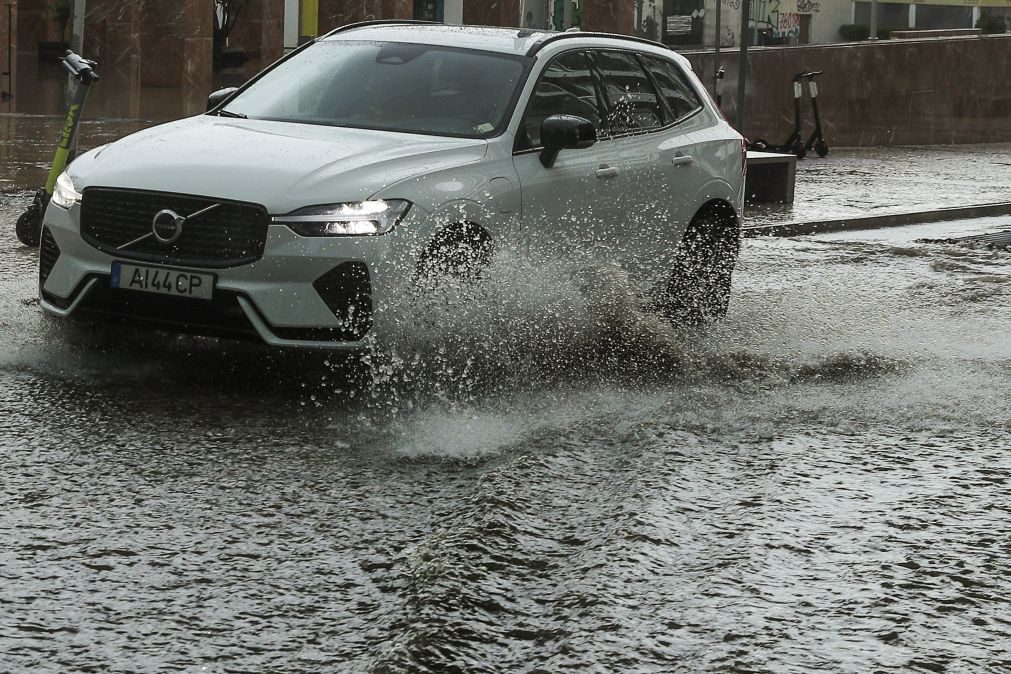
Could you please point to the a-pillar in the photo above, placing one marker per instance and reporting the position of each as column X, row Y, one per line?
column 609, row 16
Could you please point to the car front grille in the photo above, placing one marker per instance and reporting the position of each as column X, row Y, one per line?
column 230, row 234
column 220, row 317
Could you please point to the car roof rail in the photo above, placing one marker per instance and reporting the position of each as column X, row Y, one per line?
column 379, row 22
column 545, row 41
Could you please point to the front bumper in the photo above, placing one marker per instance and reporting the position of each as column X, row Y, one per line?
column 284, row 298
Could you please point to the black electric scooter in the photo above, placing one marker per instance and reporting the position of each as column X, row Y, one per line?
column 29, row 226
column 817, row 140
column 795, row 142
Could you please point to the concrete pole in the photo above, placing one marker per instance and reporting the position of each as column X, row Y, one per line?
column 874, row 20
column 742, row 63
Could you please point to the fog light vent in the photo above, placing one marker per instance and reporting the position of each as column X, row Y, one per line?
column 49, row 252
column 347, row 291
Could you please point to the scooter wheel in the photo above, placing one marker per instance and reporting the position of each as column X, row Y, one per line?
column 799, row 149
column 29, row 230
column 759, row 145
column 821, row 147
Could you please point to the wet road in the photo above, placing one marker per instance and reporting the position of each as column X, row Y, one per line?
column 549, row 481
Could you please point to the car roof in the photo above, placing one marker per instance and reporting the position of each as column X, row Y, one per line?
column 519, row 41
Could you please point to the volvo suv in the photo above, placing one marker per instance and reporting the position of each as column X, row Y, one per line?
column 300, row 204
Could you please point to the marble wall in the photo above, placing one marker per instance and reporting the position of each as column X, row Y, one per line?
column 491, row 12
column 889, row 92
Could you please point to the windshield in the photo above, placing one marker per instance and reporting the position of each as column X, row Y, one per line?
column 388, row 86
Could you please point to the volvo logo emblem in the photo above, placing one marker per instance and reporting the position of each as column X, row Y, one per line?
column 167, row 226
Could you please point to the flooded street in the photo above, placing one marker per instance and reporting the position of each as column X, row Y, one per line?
column 820, row 483
column 549, row 479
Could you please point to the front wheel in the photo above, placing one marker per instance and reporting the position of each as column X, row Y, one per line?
column 821, row 147
column 698, row 290
column 29, row 228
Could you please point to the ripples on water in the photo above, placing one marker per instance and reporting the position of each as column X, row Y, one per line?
column 548, row 480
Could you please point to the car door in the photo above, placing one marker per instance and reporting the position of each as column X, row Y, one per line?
column 659, row 177
column 565, row 207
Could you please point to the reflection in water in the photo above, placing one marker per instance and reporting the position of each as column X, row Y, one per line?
column 28, row 142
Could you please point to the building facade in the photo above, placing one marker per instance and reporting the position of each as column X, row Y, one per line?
column 157, row 57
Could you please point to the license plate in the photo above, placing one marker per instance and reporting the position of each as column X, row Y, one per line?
column 162, row 281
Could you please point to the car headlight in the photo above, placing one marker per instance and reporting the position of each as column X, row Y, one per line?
column 361, row 218
column 64, row 193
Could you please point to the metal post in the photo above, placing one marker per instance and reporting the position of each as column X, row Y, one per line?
column 76, row 45
column 77, row 36
column 9, row 95
column 716, row 52
column 742, row 63
column 874, row 20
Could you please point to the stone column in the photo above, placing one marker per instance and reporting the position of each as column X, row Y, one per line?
column 260, row 31
column 491, row 12
column 197, row 54
column 397, row 9
column 121, row 70
column 609, row 16
column 8, row 46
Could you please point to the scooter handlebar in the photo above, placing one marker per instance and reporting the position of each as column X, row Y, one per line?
column 80, row 67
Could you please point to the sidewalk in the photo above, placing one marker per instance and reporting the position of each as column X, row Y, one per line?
column 884, row 181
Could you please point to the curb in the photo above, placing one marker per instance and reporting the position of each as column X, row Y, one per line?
column 878, row 221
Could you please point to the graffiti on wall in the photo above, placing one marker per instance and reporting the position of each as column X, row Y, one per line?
column 776, row 19
column 808, row 7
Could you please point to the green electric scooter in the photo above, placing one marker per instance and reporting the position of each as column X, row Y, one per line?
column 29, row 227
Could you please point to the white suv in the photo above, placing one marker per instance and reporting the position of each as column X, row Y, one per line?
column 300, row 203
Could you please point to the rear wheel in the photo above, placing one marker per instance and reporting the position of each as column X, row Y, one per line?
column 698, row 290
column 821, row 147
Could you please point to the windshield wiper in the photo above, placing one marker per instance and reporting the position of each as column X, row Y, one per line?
column 229, row 113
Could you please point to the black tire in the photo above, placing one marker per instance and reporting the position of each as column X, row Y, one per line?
column 821, row 147
column 461, row 251
column 29, row 228
column 698, row 290
column 799, row 149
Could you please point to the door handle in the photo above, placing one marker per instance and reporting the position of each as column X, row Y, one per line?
column 681, row 160
column 605, row 172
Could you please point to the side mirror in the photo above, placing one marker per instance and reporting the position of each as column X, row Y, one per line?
column 218, row 97
column 565, row 132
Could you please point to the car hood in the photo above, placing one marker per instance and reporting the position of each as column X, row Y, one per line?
column 282, row 165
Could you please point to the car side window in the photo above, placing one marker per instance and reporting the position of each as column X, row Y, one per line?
column 565, row 88
column 633, row 104
column 674, row 86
